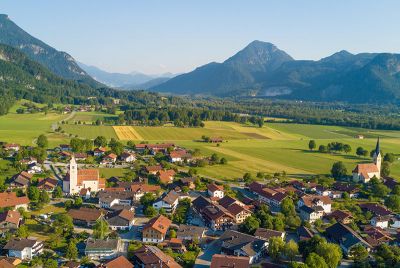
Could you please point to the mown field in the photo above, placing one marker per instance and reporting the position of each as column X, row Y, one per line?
column 273, row 148
column 25, row 128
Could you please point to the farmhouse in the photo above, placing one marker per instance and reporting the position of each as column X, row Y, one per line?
column 118, row 262
column 21, row 180
column 127, row 157
column 102, row 249
column 11, row 200
column 168, row 202
column 121, row 220
column 155, row 230
column 215, row 191
column 239, row 244
column 76, row 180
column 224, row 261
column 365, row 172
column 152, row 256
column 313, row 201
column 10, row 220
column 24, row 249
column 190, row 233
column 86, row 217
column 166, row 176
column 47, row 184
column 179, row 156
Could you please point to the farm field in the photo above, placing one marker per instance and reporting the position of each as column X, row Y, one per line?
column 89, row 131
column 25, row 128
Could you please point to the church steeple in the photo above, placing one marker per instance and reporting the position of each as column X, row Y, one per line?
column 378, row 156
column 377, row 148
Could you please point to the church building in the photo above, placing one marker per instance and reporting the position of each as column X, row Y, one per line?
column 78, row 179
column 365, row 172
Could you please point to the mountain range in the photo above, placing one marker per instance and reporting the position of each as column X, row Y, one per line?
column 58, row 62
column 261, row 69
column 133, row 80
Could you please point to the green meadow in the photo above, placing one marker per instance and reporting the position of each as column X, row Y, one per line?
column 275, row 147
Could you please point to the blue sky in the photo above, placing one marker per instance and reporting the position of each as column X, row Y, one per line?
column 156, row 36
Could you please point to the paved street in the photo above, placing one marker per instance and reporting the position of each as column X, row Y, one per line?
column 204, row 258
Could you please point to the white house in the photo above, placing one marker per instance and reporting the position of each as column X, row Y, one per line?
column 214, row 190
column 168, row 202
column 315, row 200
column 127, row 157
column 24, row 249
column 311, row 214
column 380, row 221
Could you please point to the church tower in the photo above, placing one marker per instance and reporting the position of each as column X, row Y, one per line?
column 73, row 175
column 377, row 156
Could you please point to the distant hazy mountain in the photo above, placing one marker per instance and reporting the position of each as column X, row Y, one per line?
column 130, row 80
column 261, row 69
column 60, row 63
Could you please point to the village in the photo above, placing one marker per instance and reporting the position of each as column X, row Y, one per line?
column 162, row 214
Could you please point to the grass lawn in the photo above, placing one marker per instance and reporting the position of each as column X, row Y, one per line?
column 110, row 172
column 6, row 170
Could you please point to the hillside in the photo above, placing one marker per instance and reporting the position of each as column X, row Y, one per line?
column 24, row 78
column 261, row 69
column 60, row 63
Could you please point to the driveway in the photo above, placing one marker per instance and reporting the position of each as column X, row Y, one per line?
column 204, row 258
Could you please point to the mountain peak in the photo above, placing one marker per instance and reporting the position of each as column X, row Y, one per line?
column 260, row 56
column 342, row 55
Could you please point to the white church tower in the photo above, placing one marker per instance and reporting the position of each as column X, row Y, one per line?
column 70, row 186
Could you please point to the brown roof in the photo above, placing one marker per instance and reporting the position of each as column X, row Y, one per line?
column 267, row 233
column 179, row 154
column 377, row 209
column 166, row 175
column 310, row 200
column 19, row 244
column 144, row 187
column 225, row 261
column 10, row 199
column 152, row 256
column 119, row 262
column 153, row 168
column 159, row 223
column 85, row 214
column 366, row 168
column 126, row 214
column 87, row 175
column 112, row 156
column 339, row 215
column 212, row 187
column 47, row 183
column 5, row 264
column 10, row 216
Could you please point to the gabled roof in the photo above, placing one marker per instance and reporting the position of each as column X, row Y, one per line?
column 225, row 261
column 85, row 214
column 366, row 168
column 233, row 240
column 339, row 215
column 118, row 262
column 152, row 256
column 159, row 223
column 10, row 199
column 267, row 233
column 303, row 231
column 344, row 235
column 19, row 244
column 312, row 200
column 377, row 209
column 102, row 244
column 170, row 197
column 212, row 187
column 10, row 216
